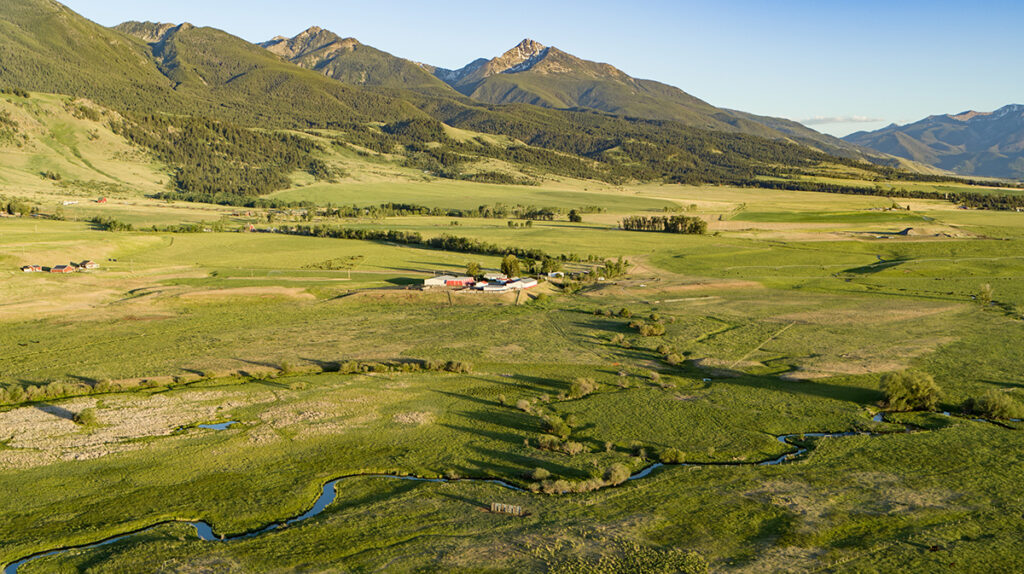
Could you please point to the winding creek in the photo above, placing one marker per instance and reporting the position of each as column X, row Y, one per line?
column 204, row 530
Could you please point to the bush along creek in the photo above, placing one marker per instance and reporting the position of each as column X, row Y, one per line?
column 800, row 443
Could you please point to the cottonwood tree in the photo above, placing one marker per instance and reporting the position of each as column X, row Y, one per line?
column 510, row 265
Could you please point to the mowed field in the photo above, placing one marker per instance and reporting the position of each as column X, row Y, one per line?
column 780, row 322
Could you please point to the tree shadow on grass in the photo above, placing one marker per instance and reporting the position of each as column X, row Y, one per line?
column 87, row 380
column 269, row 383
column 394, row 489
column 876, row 267
column 59, row 412
column 605, row 325
column 542, row 383
column 1004, row 384
column 517, row 464
column 274, row 366
column 470, row 398
column 325, row 366
column 465, row 500
column 505, row 418
column 857, row 395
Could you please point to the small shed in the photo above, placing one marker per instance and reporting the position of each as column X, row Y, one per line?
column 89, row 264
column 101, row 200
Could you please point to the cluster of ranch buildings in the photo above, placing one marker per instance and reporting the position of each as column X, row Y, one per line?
column 491, row 283
column 69, row 268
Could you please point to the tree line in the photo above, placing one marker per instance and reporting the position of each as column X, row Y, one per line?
column 665, row 224
column 971, row 199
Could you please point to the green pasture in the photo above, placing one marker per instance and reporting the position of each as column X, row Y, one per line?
column 468, row 195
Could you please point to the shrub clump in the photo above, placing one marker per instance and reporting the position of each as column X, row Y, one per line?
column 540, row 474
column 86, row 417
column 994, row 405
column 672, row 456
column 910, row 391
column 556, row 426
column 617, row 474
column 582, row 387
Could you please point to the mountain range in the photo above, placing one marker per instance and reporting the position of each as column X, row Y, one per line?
column 989, row 144
column 534, row 74
column 536, row 95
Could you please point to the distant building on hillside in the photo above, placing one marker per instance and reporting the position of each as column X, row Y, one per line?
column 32, row 268
column 63, row 269
column 495, row 277
column 89, row 264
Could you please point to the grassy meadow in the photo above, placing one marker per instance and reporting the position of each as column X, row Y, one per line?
column 782, row 320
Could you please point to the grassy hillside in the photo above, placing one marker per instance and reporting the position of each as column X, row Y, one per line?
column 47, row 47
column 65, row 146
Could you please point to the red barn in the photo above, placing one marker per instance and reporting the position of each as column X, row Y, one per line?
column 62, row 269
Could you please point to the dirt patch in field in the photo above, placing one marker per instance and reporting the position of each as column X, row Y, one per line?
column 414, row 418
column 656, row 289
column 865, row 316
column 47, row 301
column 783, row 559
column 866, row 361
column 290, row 292
column 509, row 350
column 287, row 415
column 49, row 433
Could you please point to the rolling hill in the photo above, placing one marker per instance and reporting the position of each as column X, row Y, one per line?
column 970, row 143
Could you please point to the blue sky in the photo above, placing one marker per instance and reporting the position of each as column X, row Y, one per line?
column 868, row 63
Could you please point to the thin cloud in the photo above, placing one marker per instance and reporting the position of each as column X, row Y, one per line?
column 821, row 120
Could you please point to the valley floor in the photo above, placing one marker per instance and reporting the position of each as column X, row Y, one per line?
column 780, row 321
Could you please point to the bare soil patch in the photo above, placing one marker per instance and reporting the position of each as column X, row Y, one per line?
column 290, row 292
